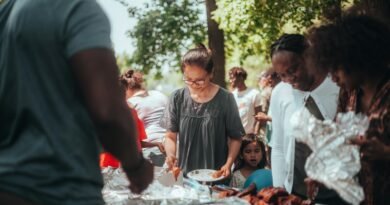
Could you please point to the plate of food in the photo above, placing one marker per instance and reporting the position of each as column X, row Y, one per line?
column 206, row 175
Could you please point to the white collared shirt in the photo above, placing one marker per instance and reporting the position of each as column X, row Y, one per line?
column 284, row 102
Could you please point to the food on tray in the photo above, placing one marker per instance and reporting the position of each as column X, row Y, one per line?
column 251, row 199
column 224, row 191
column 266, row 196
column 307, row 202
column 261, row 202
column 251, row 189
column 271, row 194
column 289, row 200
column 227, row 193
column 217, row 174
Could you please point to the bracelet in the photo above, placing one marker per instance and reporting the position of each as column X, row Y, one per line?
column 137, row 167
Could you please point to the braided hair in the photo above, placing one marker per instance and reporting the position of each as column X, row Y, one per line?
column 295, row 43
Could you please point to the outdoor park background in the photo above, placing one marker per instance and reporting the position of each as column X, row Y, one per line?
column 152, row 35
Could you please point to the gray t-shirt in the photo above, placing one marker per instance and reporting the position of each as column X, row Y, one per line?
column 48, row 145
column 203, row 128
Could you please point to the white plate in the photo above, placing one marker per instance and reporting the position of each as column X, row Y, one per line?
column 204, row 175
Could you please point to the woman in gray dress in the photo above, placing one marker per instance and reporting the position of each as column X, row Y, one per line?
column 203, row 117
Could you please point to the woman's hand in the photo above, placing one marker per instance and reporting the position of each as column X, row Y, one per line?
column 170, row 149
column 372, row 148
column 171, row 162
column 226, row 170
column 234, row 148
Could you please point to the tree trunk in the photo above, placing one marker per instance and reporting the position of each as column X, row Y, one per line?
column 216, row 44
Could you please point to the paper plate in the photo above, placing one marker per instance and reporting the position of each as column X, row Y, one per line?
column 204, row 175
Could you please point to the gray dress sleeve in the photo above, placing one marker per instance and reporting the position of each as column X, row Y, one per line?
column 234, row 127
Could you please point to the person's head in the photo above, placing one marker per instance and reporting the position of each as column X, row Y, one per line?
column 197, row 67
column 237, row 76
column 131, row 81
column 252, row 153
column 268, row 78
column 288, row 62
column 354, row 49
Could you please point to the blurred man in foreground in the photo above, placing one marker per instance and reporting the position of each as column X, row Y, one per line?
column 59, row 99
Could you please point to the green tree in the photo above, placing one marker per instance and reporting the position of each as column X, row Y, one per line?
column 251, row 26
column 165, row 29
column 123, row 61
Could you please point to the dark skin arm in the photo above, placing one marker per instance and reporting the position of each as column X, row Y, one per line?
column 96, row 73
column 154, row 144
column 372, row 148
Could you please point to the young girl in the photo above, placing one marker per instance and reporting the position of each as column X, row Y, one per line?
column 252, row 157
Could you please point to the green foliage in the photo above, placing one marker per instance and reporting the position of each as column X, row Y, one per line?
column 251, row 26
column 253, row 64
column 165, row 29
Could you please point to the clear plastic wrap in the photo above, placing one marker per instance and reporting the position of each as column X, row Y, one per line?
column 334, row 162
column 116, row 192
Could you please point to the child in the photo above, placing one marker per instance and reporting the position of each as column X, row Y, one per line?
column 252, row 157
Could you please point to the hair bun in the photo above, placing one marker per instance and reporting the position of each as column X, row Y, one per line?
column 201, row 46
column 132, row 79
column 129, row 74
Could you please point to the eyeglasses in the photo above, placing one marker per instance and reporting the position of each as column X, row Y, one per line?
column 194, row 82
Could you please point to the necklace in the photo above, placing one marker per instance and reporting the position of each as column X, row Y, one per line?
column 197, row 105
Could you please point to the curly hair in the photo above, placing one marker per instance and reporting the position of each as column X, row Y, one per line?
column 131, row 79
column 354, row 44
column 295, row 43
column 238, row 72
column 199, row 56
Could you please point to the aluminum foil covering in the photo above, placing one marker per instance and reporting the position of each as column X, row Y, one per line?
column 334, row 162
column 116, row 192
